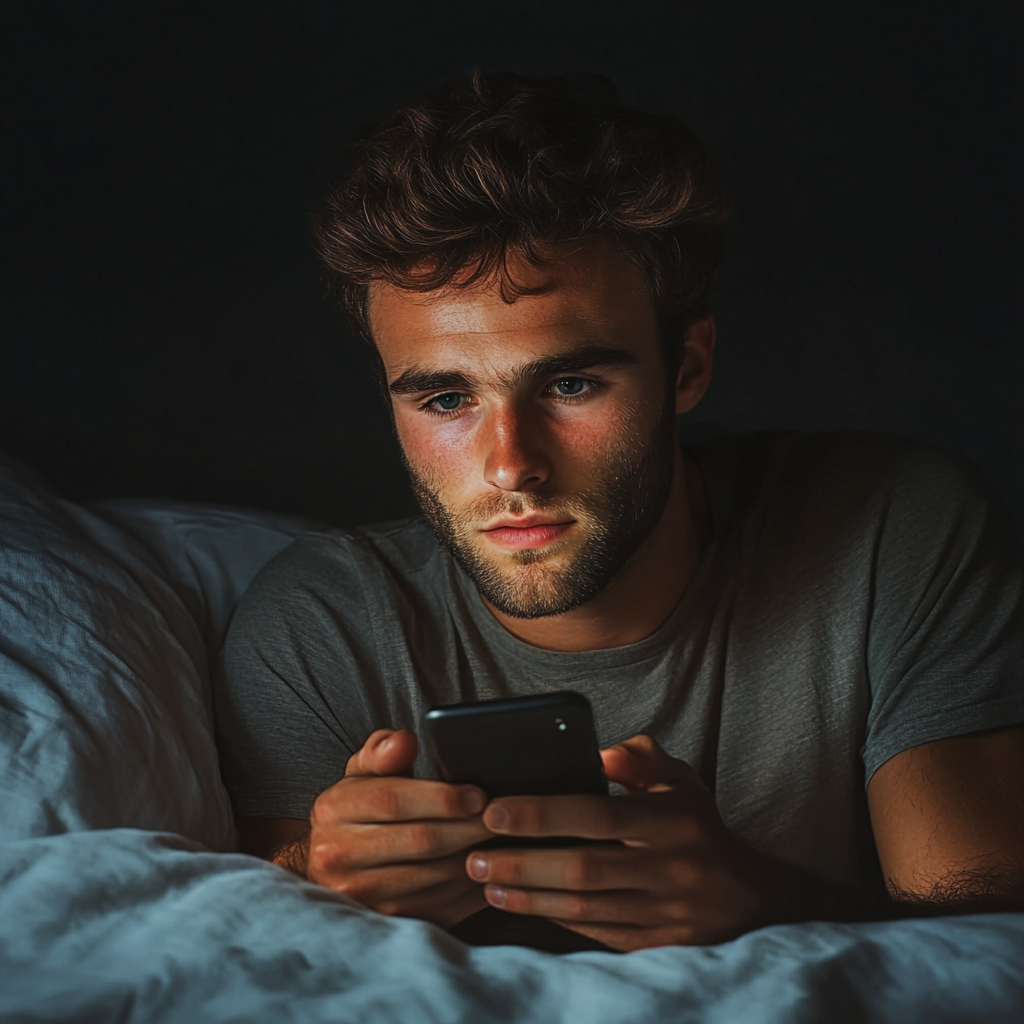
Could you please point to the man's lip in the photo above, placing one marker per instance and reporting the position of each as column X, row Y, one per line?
column 529, row 532
column 525, row 523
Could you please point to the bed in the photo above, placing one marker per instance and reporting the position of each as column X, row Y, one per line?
column 122, row 897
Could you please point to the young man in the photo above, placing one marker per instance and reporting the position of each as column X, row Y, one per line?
column 804, row 654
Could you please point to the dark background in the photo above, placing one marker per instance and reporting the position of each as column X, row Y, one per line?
column 164, row 332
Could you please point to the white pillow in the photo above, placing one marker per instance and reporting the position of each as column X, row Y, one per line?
column 106, row 615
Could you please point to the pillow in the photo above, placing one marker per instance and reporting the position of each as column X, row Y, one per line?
column 110, row 619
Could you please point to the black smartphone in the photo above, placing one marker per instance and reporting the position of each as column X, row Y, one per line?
column 520, row 746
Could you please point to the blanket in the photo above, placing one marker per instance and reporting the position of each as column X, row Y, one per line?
column 122, row 899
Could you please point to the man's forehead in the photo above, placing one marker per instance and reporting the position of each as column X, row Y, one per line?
column 454, row 312
column 589, row 296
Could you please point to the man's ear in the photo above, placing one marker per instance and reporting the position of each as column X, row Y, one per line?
column 695, row 363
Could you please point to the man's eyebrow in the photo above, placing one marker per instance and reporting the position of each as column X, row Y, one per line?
column 415, row 381
column 590, row 357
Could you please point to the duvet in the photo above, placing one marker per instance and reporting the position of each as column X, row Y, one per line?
column 121, row 898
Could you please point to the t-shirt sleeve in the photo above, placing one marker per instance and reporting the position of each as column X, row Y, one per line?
column 945, row 648
column 285, row 727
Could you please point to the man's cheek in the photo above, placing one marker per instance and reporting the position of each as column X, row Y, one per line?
column 442, row 454
column 588, row 445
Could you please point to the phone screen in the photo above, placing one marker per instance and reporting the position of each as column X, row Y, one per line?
column 522, row 746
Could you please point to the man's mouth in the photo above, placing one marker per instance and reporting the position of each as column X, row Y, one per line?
column 523, row 532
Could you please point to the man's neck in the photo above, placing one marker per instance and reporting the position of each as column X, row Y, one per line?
column 647, row 588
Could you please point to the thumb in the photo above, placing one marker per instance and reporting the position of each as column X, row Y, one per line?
column 386, row 752
column 641, row 765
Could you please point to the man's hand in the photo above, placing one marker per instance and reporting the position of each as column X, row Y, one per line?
column 670, row 874
column 393, row 843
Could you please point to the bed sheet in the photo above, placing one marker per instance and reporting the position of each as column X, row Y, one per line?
column 133, row 926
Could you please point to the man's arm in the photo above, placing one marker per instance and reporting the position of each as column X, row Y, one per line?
column 390, row 842
column 285, row 841
column 948, row 819
column 948, row 816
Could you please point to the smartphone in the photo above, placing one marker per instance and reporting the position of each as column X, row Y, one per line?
column 521, row 746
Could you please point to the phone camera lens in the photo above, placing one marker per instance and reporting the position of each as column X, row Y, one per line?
column 561, row 725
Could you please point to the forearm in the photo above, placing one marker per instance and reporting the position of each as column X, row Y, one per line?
column 294, row 855
column 794, row 895
column 283, row 841
column 971, row 891
column 791, row 895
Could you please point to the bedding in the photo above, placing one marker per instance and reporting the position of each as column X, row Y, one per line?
column 120, row 898
column 107, row 620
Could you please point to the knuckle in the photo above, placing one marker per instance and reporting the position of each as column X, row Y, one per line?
column 682, row 874
column 583, row 871
column 323, row 859
column 389, row 802
column 451, row 802
column 509, row 869
column 323, row 807
column 579, row 908
column 425, row 838
column 351, row 886
column 519, row 901
column 523, row 816
column 676, row 911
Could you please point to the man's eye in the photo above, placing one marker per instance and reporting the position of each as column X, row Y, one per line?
column 448, row 402
column 569, row 386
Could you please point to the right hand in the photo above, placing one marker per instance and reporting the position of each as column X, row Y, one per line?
column 394, row 843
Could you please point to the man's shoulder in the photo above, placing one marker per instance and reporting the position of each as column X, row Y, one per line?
column 402, row 545
column 874, row 456
column 355, row 567
column 838, row 474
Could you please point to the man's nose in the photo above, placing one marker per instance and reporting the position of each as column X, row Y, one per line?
column 516, row 459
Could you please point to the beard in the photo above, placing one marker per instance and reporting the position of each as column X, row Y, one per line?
column 616, row 515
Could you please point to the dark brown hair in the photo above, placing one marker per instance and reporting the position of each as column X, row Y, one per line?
column 446, row 189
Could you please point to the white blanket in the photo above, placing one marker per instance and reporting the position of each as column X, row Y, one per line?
column 121, row 901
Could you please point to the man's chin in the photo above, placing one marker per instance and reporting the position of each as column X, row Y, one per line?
column 531, row 584
column 508, row 562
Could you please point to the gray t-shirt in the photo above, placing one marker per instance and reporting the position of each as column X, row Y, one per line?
column 858, row 596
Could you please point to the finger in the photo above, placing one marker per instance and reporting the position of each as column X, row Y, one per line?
column 371, row 799
column 640, row 820
column 576, row 869
column 625, row 907
column 399, row 881
column 386, row 752
column 445, row 903
column 639, row 763
column 365, row 846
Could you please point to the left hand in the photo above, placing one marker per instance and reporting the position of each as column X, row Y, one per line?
column 670, row 874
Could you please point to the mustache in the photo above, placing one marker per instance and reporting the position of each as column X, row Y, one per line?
column 490, row 506
column 516, row 504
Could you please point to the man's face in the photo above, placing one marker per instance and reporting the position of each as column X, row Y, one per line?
column 539, row 434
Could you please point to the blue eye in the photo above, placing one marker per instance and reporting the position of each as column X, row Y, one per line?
column 569, row 386
column 448, row 402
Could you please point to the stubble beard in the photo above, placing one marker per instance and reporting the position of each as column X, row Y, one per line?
column 616, row 515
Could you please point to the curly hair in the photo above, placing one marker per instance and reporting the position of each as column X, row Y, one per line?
column 447, row 189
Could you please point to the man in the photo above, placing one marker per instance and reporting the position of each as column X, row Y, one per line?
column 804, row 654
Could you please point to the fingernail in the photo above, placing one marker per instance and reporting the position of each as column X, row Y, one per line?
column 495, row 895
column 496, row 818
column 479, row 867
column 471, row 801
